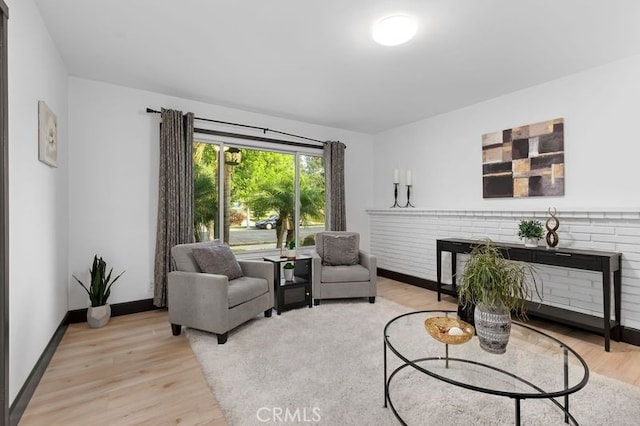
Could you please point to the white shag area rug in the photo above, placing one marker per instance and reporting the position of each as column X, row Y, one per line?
column 325, row 366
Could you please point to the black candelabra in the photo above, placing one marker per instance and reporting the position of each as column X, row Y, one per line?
column 409, row 197
column 395, row 195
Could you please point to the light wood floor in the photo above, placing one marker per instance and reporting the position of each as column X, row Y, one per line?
column 135, row 372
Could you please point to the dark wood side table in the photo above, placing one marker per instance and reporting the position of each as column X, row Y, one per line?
column 297, row 292
column 607, row 263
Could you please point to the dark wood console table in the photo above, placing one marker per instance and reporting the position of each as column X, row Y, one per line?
column 590, row 260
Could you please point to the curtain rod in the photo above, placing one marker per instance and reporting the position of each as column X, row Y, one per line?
column 264, row 129
column 255, row 138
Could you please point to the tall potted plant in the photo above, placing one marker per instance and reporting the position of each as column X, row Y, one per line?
column 99, row 290
column 496, row 287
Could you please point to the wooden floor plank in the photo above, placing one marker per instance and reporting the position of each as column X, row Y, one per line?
column 134, row 371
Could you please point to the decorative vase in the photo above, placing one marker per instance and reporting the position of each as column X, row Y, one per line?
column 288, row 274
column 98, row 316
column 531, row 242
column 552, row 235
column 291, row 254
column 493, row 327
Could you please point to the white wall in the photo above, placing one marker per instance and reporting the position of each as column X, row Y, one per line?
column 600, row 209
column 38, row 194
column 600, row 108
column 113, row 174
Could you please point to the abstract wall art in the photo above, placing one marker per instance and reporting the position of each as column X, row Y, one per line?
column 526, row 161
column 47, row 135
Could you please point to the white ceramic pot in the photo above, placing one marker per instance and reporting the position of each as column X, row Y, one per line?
column 531, row 242
column 98, row 316
column 288, row 274
column 291, row 254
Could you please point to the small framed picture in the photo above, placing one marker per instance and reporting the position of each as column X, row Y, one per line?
column 47, row 135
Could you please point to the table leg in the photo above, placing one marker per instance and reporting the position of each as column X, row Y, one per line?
column 617, row 296
column 517, row 412
column 276, row 287
column 446, row 355
column 310, row 284
column 606, row 289
column 566, row 384
column 438, row 270
column 386, row 389
column 279, row 297
column 454, row 266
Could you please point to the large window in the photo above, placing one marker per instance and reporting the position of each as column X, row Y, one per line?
column 257, row 199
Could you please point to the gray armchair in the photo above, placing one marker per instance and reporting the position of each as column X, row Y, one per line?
column 214, row 303
column 341, row 269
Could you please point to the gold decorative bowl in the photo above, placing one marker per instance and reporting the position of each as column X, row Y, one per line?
column 438, row 328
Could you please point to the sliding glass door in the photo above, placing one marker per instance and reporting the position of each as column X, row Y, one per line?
column 257, row 199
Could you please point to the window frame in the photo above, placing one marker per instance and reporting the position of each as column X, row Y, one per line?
column 229, row 142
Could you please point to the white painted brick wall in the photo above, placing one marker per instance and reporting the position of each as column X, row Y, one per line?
column 404, row 240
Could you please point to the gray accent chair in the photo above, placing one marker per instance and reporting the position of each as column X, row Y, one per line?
column 343, row 281
column 211, row 302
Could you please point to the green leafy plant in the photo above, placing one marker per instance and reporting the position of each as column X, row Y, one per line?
column 289, row 265
column 530, row 229
column 100, row 287
column 495, row 282
column 292, row 245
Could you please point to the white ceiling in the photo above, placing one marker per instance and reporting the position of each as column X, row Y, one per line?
column 315, row 61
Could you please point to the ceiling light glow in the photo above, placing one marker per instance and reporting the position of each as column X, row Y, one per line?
column 394, row 30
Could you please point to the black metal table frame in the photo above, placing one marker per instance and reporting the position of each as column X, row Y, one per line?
column 540, row 394
column 607, row 263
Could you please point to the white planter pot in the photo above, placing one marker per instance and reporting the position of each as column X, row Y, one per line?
column 531, row 242
column 291, row 254
column 98, row 316
column 288, row 274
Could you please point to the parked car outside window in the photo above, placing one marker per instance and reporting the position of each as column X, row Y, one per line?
column 268, row 223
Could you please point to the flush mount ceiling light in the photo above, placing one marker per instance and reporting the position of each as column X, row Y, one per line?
column 394, row 30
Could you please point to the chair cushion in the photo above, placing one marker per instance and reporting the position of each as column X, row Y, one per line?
column 344, row 274
column 320, row 239
column 244, row 289
column 182, row 255
column 218, row 259
column 340, row 249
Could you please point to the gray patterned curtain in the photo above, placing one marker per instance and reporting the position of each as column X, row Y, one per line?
column 175, row 197
column 334, row 185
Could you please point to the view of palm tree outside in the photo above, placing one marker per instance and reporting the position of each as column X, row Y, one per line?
column 257, row 197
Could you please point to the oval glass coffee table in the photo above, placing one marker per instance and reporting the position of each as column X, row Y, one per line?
column 534, row 366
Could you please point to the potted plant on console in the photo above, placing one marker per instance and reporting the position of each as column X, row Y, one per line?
column 531, row 231
column 288, row 271
column 99, row 290
column 495, row 286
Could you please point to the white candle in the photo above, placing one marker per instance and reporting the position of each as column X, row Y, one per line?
column 408, row 177
column 396, row 176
